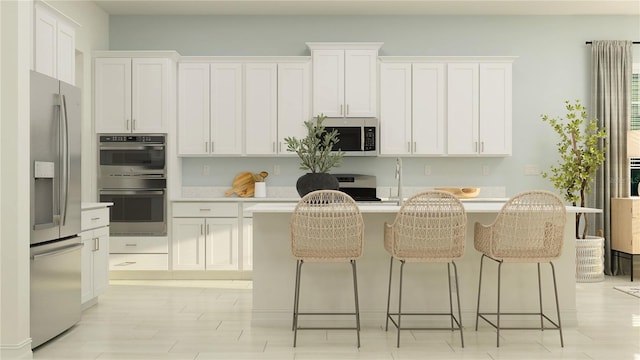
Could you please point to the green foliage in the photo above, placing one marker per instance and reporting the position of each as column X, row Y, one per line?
column 315, row 149
column 581, row 149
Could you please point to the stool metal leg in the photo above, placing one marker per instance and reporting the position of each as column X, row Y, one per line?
column 555, row 289
column 498, row 312
column 402, row 262
column 355, row 293
column 386, row 326
column 479, row 291
column 540, row 298
column 295, row 295
column 455, row 272
column 297, row 302
column 450, row 296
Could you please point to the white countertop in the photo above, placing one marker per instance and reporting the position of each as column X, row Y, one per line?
column 94, row 205
column 476, row 206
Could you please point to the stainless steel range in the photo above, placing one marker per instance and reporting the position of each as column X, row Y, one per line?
column 359, row 187
column 132, row 175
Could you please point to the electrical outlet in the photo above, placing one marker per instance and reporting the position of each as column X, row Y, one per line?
column 531, row 170
column 276, row 169
column 485, row 170
column 427, row 170
column 206, row 170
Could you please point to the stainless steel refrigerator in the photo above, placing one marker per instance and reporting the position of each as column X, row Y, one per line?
column 55, row 207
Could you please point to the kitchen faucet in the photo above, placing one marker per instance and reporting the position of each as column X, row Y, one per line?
column 399, row 177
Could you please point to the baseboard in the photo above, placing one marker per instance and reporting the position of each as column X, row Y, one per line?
column 180, row 275
column 21, row 350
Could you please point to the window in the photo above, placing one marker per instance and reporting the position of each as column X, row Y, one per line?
column 635, row 98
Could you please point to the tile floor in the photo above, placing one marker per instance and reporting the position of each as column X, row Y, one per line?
column 212, row 320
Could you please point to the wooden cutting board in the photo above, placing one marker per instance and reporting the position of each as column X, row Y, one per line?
column 244, row 184
column 463, row 193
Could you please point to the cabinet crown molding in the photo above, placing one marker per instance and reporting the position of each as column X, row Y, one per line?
column 170, row 54
column 344, row 45
column 58, row 13
column 244, row 59
column 448, row 59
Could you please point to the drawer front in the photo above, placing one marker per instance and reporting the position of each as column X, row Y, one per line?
column 94, row 218
column 205, row 209
column 141, row 245
column 124, row 262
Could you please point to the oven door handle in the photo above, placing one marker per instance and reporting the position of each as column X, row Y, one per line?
column 129, row 147
column 131, row 192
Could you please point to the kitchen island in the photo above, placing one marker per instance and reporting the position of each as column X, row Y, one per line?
column 329, row 286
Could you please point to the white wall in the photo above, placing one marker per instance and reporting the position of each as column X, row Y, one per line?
column 15, row 63
column 552, row 66
column 15, row 25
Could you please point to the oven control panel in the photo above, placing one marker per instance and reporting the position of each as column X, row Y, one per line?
column 154, row 139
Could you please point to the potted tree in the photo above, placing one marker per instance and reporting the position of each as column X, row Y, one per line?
column 581, row 149
column 316, row 155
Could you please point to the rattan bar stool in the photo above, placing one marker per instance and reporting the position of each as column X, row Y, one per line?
column 326, row 226
column 528, row 229
column 431, row 227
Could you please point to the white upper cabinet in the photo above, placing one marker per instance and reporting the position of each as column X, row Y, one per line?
column 209, row 109
column 412, row 108
column 54, row 44
column 226, row 108
column 132, row 95
column 344, row 79
column 495, row 108
column 479, row 109
column 193, row 109
column 261, row 108
column 294, row 101
column 395, row 109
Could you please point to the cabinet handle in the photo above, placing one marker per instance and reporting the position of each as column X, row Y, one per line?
column 97, row 244
column 414, row 146
column 408, row 146
column 94, row 219
column 134, row 123
column 482, row 146
column 206, row 146
column 128, row 124
column 280, row 146
column 475, row 146
column 207, row 229
column 131, row 245
column 201, row 229
column 205, row 209
column 341, row 109
column 347, row 110
column 273, row 146
column 212, row 143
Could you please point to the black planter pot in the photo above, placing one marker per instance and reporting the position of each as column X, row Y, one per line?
column 316, row 181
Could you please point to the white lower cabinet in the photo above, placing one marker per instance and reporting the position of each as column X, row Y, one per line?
column 205, row 236
column 95, row 253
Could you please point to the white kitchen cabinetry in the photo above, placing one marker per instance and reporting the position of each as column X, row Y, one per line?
column 132, row 95
column 210, row 109
column 294, row 101
column 412, row 102
column 344, row 79
column 54, row 44
column 95, row 252
column 205, row 236
column 261, row 108
column 277, row 98
column 479, row 108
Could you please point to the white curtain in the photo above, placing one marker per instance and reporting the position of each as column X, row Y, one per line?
column 611, row 63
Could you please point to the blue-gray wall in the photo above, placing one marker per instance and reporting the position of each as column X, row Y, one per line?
column 552, row 66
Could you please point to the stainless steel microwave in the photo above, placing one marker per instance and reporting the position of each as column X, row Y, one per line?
column 357, row 136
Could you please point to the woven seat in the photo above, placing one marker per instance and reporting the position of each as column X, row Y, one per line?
column 430, row 227
column 528, row 229
column 326, row 226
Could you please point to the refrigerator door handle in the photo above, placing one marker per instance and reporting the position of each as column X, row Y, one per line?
column 60, row 251
column 65, row 160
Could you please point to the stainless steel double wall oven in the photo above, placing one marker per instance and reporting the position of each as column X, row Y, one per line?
column 133, row 176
